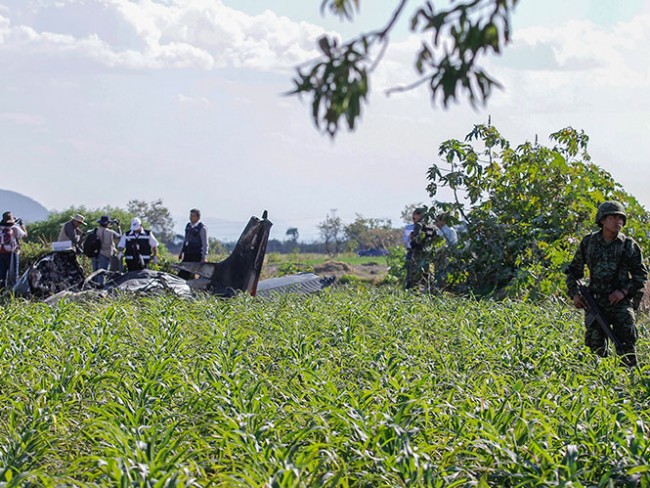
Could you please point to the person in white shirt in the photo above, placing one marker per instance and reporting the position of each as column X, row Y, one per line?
column 140, row 247
column 451, row 238
column 442, row 257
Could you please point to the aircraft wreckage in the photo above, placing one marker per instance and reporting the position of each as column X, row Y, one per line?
column 58, row 273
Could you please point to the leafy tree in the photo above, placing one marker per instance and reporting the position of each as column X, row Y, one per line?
column 46, row 231
column 523, row 209
column 292, row 234
column 331, row 230
column 157, row 215
column 371, row 233
column 453, row 39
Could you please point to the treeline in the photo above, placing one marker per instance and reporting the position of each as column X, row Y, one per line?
column 361, row 234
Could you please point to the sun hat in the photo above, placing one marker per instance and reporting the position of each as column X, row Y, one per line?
column 136, row 223
column 80, row 218
column 104, row 220
column 7, row 219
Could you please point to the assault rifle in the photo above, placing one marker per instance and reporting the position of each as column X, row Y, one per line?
column 594, row 310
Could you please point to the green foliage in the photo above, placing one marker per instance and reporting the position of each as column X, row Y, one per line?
column 453, row 40
column 30, row 252
column 158, row 217
column 331, row 230
column 352, row 387
column 527, row 208
column 396, row 269
column 371, row 233
column 293, row 234
column 47, row 231
column 216, row 247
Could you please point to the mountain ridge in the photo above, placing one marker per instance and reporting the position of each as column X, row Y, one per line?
column 22, row 206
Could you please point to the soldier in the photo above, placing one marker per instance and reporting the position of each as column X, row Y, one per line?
column 616, row 274
column 417, row 265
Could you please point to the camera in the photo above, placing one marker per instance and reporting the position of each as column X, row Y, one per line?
column 18, row 221
column 114, row 221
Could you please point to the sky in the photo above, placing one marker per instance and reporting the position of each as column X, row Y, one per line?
column 105, row 101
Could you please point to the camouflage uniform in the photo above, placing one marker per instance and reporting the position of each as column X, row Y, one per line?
column 614, row 265
column 417, row 271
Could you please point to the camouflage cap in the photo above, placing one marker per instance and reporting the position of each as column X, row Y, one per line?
column 610, row 208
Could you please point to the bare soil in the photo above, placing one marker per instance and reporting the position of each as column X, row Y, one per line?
column 373, row 271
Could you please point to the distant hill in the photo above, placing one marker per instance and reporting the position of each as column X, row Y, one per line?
column 21, row 206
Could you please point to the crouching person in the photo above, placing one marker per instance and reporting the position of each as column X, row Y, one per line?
column 140, row 247
column 616, row 274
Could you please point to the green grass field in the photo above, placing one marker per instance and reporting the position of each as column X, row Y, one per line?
column 352, row 387
column 312, row 259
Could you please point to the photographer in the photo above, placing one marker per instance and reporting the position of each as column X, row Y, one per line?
column 419, row 258
column 11, row 230
column 107, row 238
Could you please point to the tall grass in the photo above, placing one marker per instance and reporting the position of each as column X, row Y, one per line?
column 352, row 387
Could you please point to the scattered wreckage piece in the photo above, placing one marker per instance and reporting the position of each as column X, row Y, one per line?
column 148, row 281
column 297, row 283
column 241, row 270
column 53, row 273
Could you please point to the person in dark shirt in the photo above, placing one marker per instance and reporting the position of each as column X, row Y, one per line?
column 195, row 244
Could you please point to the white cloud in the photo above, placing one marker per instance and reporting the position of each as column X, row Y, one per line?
column 201, row 34
column 611, row 57
column 23, row 118
column 193, row 101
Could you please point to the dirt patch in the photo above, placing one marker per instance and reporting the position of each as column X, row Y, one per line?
column 373, row 272
column 332, row 267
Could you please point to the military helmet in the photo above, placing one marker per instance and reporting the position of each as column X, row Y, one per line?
column 610, row 208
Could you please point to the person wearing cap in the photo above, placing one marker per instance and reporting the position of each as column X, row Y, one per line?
column 107, row 238
column 616, row 274
column 195, row 245
column 71, row 231
column 11, row 231
column 140, row 247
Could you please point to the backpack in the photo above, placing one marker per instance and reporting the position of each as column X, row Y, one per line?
column 92, row 245
column 6, row 239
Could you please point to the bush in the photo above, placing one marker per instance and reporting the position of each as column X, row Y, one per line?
column 528, row 208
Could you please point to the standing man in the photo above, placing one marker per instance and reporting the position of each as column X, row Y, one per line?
column 195, row 245
column 71, row 231
column 11, row 230
column 442, row 256
column 616, row 274
column 140, row 247
column 106, row 237
column 451, row 238
column 421, row 238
